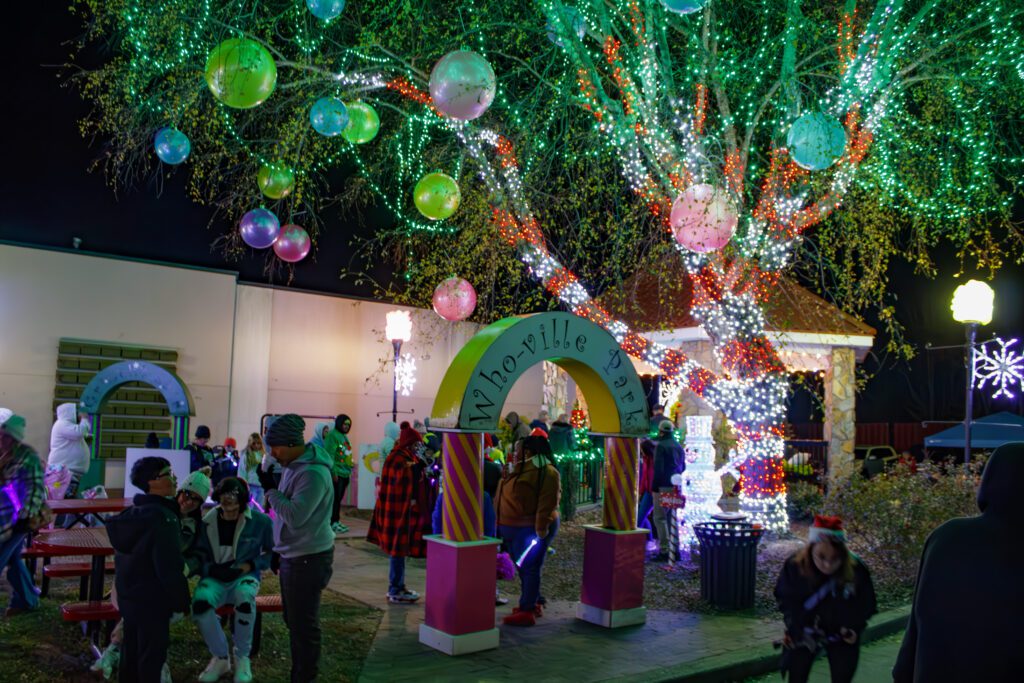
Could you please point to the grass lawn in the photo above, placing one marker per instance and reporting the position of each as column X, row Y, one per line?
column 40, row 648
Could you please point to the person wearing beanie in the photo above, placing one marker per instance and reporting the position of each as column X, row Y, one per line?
column 395, row 525
column 200, row 453
column 339, row 448
column 302, row 535
column 669, row 459
column 236, row 543
column 826, row 596
column 22, row 508
column 149, row 575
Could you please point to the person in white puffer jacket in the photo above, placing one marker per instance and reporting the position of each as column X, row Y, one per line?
column 68, row 446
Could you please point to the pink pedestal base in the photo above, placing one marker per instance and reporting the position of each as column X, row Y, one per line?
column 460, row 596
column 613, row 577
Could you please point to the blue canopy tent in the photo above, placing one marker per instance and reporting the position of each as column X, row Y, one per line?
column 989, row 432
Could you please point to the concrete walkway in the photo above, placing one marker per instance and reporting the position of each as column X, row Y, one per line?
column 670, row 646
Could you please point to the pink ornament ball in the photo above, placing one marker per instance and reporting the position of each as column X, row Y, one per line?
column 462, row 85
column 703, row 218
column 454, row 299
column 293, row 244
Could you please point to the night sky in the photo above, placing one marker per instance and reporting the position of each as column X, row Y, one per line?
column 48, row 198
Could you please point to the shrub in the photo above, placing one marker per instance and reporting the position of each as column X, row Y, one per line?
column 803, row 499
column 890, row 516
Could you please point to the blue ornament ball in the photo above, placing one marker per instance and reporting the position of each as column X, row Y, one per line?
column 684, row 6
column 171, row 145
column 328, row 116
column 259, row 228
column 325, row 9
column 816, row 141
column 572, row 22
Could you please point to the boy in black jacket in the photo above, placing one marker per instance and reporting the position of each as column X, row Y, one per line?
column 150, row 570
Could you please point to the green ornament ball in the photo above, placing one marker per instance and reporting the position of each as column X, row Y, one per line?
column 276, row 182
column 363, row 123
column 241, row 73
column 437, row 196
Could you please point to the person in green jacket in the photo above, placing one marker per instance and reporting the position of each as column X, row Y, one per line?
column 340, row 449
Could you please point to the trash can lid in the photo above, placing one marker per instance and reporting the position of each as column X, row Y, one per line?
column 729, row 516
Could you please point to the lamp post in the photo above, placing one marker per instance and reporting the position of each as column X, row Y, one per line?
column 972, row 305
column 398, row 329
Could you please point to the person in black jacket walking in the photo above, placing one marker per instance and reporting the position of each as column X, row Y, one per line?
column 965, row 622
column 669, row 459
column 826, row 596
column 149, row 570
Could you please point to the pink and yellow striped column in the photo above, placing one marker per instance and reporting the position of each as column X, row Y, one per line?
column 620, row 483
column 462, row 515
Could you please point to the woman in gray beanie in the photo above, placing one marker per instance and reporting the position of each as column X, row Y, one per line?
column 302, row 535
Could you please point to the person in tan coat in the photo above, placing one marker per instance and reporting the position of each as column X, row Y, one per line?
column 527, row 510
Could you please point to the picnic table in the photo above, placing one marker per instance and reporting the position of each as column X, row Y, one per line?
column 81, row 508
column 91, row 541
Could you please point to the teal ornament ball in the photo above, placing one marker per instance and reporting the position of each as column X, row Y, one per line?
column 816, row 141
column 684, row 6
column 572, row 22
column 171, row 145
column 328, row 116
column 325, row 9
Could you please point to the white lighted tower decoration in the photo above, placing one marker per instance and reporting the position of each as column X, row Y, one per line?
column 701, row 483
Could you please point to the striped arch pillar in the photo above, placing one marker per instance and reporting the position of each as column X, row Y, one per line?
column 179, row 434
column 462, row 460
column 622, row 464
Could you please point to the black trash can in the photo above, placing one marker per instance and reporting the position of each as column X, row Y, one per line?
column 728, row 563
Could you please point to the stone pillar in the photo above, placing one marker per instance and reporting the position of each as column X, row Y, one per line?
column 840, row 415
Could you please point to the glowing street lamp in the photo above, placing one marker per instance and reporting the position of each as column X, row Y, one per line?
column 398, row 329
column 972, row 305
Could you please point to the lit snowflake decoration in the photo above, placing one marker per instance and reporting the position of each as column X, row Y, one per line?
column 1003, row 367
column 405, row 374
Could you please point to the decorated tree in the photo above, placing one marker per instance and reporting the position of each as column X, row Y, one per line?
column 736, row 128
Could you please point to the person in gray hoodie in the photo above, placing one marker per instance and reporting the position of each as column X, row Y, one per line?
column 302, row 536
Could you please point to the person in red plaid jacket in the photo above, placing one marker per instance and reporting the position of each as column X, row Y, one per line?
column 22, row 508
column 395, row 526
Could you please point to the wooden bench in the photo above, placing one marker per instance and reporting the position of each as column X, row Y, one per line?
column 264, row 603
column 70, row 570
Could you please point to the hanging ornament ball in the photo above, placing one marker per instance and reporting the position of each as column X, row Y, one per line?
column 437, row 196
column 572, row 23
column 816, row 141
column 454, row 299
column 171, row 145
column 292, row 244
column 703, row 218
column 328, row 116
column 275, row 182
column 684, row 6
column 241, row 73
column 259, row 228
column 325, row 9
column 462, row 85
column 363, row 123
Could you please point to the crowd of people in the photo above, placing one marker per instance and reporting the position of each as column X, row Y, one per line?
column 277, row 509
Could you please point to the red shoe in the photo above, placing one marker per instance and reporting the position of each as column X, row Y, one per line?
column 520, row 618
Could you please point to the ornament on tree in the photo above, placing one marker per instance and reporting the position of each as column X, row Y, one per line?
column 437, row 196
column 275, row 182
column 703, row 218
column 325, row 9
column 363, row 123
column 241, row 73
column 462, row 85
column 328, row 116
column 454, row 299
column 572, row 23
column 816, row 141
column 292, row 244
column 171, row 145
column 684, row 6
column 259, row 228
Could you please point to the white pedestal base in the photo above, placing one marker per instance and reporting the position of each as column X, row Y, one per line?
column 611, row 618
column 458, row 645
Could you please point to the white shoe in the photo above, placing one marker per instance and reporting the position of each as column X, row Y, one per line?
column 165, row 674
column 243, row 670
column 215, row 669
